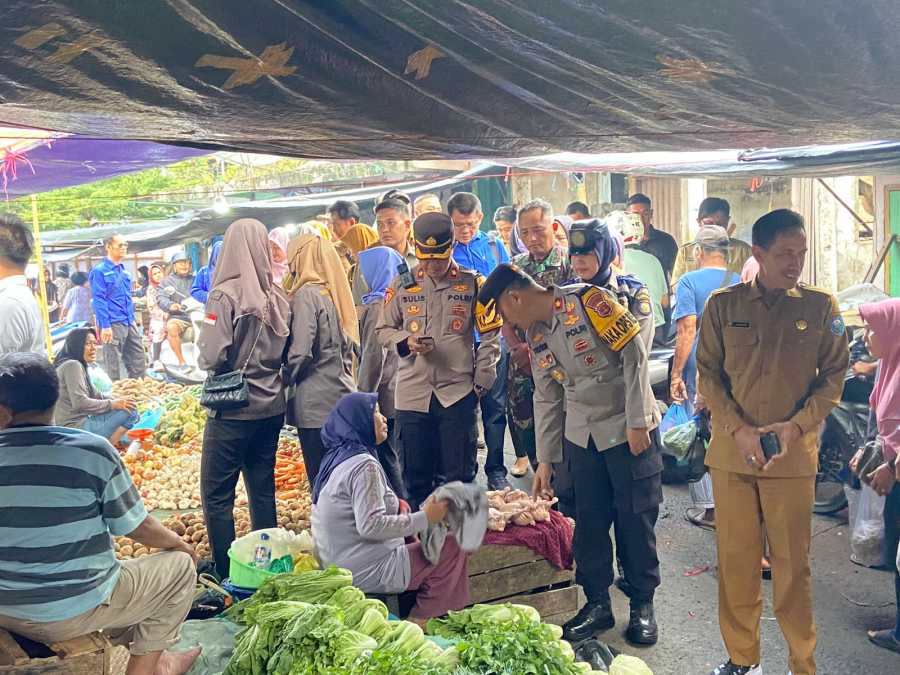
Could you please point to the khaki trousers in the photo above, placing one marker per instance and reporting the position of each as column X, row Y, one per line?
column 744, row 503
column 150, row 601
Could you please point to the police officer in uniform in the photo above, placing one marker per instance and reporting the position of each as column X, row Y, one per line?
column 429, row 318
column 589, row 348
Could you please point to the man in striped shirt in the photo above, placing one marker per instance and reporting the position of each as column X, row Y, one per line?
column 63, row 494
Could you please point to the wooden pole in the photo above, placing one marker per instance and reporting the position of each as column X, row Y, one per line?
column 42, row 284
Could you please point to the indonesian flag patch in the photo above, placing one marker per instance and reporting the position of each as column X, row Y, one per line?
column 210, row 319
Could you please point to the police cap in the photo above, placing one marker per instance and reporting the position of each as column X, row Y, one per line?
column 503, row 276
column 433, row 234
column 584, row 235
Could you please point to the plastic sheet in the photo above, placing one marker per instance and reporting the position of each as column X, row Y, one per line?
column 489, row 78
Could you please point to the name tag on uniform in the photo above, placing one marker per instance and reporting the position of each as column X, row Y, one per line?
column 739, row 324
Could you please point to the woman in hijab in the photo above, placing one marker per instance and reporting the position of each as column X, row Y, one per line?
column 245, row 329
column 278, row 248
column 158, row 317
column 883, row 325
column 79, row 405
column 324, row 335
column 204, row 279
column 358, row 238
column 378, row 364
column 360, row 524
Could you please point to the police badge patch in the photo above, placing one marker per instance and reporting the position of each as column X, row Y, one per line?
column 837, row 326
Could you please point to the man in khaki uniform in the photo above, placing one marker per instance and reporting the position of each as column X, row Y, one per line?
column 713, row 211
column 589, row 349
column 771, row 358
column 430, row 317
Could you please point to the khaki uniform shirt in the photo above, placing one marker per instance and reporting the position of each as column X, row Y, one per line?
column 739, row 253
column 590, row 367
column 761, row 364
column 444, row 311
column 318, row 368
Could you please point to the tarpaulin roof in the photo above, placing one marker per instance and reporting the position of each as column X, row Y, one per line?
column 157, row 234
column 476, row 78
column 34, row 160
column 856, row 159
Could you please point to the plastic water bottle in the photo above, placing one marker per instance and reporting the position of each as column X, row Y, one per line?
column 262, row 555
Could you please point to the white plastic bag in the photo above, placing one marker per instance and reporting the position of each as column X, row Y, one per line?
column 100, row 380
column 867, row 533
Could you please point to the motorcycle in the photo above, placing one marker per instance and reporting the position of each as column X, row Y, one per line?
column 847, row 428
column 167, row 366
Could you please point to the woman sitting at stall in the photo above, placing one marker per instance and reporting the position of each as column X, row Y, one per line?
column 79, row 405
column 358, row 522
column 324, row 333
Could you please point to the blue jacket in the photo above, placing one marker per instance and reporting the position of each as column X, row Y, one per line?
column 111, row 290
column 482, row 254
column 203, row 280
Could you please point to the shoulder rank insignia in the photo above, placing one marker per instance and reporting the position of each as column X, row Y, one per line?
column 643, row 305
column 487, row 317
column 614, row 324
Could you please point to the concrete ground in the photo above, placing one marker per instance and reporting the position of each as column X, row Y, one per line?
column 848, row 600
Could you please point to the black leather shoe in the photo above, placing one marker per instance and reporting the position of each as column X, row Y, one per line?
column 593, row 618
column 642, row 628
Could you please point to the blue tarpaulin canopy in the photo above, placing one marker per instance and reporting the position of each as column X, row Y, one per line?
column 457, row 78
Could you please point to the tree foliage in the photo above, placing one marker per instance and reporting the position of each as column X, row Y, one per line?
column 164, row 191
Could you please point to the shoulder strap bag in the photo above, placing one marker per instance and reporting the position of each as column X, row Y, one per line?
column 228, row 391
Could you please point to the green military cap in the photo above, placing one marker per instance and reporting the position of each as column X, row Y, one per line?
column 500, row 279
column 433, row 234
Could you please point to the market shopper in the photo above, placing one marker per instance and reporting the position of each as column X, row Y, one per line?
column 173, row 292
column 59, row 577
column 772, row 357
column 79, row 405
column 359, row 238
column 649, row 270
column 279, row 239
column 343, row 214
column 358, row 522
column 657, row 243
column 155, row 274
column 62, row 281
column 691, row 293
column 717, row 212
column 76, row 305
column 324, row 335
column 429, row 318
column 246, row 329
column 394, row 226
column 883, row 325
column 578, row 211
column 52, row 297
column 589, row 346
column 504, row 224
column 203, row 280
column 22, row 327
column 114, row 311
column 547, row 262
column 475, row 250
column 377, row 364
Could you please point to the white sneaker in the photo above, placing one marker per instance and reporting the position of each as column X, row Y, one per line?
column 728, row 668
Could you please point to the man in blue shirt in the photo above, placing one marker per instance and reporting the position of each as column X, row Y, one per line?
column 711, row 247
column 114, row 310
column 474, row 250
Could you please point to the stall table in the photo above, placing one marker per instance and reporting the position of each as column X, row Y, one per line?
column 83, row 655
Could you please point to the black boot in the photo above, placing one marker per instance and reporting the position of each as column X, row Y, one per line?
column 642, row 628
column 593, row 618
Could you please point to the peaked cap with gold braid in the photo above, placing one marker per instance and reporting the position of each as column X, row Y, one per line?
column 433, row 234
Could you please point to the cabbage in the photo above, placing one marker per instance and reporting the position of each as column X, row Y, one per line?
column 346, row 597
column 350, row 645
column 313, row 586
column 374, row 624
column 405, row 637
column 354, row 613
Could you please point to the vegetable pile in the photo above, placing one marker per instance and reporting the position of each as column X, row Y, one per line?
column 516, row 507
column 145, row 390
column 317, row 623
column 183, row 419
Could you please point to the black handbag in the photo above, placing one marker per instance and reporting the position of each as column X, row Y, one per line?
column 228, row 391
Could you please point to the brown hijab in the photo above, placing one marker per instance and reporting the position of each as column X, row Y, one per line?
column 359, row 238
column 244, row 274
column 312, row 260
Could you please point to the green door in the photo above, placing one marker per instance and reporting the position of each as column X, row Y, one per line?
column 893, row 258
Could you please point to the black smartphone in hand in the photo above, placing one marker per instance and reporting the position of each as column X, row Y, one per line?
column 771, row 445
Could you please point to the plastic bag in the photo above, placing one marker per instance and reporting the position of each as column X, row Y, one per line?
column 676, row 415
column 100, row 381
column 624, row 664
column 867, row 533
column 677, row 440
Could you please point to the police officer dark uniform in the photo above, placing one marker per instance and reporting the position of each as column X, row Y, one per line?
column 429, row 317
column 589, row 357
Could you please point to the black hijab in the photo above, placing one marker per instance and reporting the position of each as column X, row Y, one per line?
column 73, row 350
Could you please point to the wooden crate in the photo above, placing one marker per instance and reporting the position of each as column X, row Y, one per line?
column 518, row 574
column 84, row 655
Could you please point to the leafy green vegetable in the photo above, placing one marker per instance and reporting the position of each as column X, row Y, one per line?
column 314, row 586
column 374, row 624
column 354, row 613
column 346, row 597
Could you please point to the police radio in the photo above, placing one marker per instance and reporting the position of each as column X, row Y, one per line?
column 406, row 277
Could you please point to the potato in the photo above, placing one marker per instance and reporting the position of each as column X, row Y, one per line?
column 197, row 536
column 178, row 528
column 126, row 551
